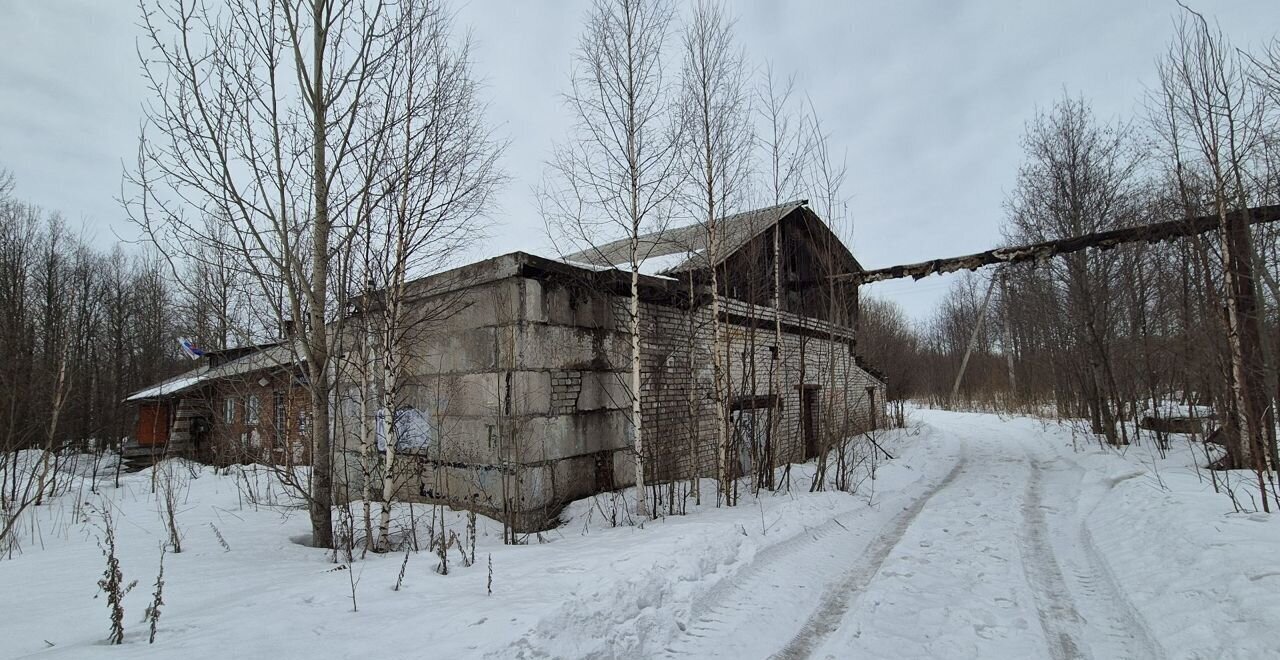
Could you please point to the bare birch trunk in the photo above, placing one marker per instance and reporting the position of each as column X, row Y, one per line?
column 637, row 421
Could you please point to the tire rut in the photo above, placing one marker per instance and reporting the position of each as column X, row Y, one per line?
column 1121, row 629
column 839, row 597
column 1127, row 626
column 1059, row 619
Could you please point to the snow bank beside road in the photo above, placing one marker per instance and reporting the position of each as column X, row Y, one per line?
column 1204, row 576
column 589, row 589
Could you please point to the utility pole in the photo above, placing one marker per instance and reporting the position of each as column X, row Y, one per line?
column 1008, row 333
column 973, row 338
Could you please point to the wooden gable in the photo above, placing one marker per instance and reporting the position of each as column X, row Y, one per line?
column 811, row 254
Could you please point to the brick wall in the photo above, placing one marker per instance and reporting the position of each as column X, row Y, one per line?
column 678, row 392
column 279, row 435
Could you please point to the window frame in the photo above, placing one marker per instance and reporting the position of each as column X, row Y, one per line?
column 252, row 410
column 278, row 408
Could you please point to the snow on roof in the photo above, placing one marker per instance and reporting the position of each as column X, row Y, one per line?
column 171, row 386
column 581, row 264
column 659, row 264
column 278, row 355
column 654, row 266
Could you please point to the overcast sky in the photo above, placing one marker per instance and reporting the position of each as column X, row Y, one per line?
column 927, row 99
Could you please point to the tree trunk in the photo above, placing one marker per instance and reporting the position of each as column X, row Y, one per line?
column 321, row 505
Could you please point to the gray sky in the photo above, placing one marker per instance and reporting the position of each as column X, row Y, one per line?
column 927, row 99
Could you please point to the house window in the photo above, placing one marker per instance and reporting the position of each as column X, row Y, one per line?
column 229, row 410
column 277, row 407
column 252, row 408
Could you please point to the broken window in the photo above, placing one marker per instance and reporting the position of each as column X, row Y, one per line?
column 749, row 423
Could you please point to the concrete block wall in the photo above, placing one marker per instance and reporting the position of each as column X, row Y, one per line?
column 526, row 385
column 529, row 383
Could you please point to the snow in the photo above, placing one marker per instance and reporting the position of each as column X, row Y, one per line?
column 653, row 265
column 986, row 537
column 269, row 357
column 1176, row 410
column 584, row 265
column 658, row 264
column 173, row 385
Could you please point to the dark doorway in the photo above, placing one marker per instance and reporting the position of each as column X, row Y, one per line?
column 871, row 400
column 809, row 419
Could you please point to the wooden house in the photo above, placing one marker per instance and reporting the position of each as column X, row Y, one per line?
column 239, row 405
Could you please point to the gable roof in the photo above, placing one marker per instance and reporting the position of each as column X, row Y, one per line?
column 261, row 357
column 682, row 249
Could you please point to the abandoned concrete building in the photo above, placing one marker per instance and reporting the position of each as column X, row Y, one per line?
column 523, row 391
column 516, row 398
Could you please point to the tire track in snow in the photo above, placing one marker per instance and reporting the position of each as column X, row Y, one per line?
column 1061, row 621
column 838, row 598
column 1121, row 628
column 803, row 562
column 734, row 599
column 1126, row 624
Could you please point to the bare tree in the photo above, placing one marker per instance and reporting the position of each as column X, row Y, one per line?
column 260, row 113
column 1080, row 177
column 825, row 174
column 716, row 114
column 1212, row 107
column 618, row 172
column 783, row 139
column 434, row 172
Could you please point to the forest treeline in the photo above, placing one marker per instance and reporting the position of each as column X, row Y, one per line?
column 80, row 328
column 1105, row 335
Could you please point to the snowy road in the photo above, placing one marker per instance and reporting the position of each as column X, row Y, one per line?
column 988, row 560
column 984, row 538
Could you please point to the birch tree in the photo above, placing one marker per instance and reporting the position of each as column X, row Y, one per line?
column 824, row 175
column 716, row 151
column 782, row 139
column 619, row 170
column 434, row 172
column 1214, row 114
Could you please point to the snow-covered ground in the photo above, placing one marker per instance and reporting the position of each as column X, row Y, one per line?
column 985, row 538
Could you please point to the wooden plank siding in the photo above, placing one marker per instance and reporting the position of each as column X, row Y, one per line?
column 152, row 429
